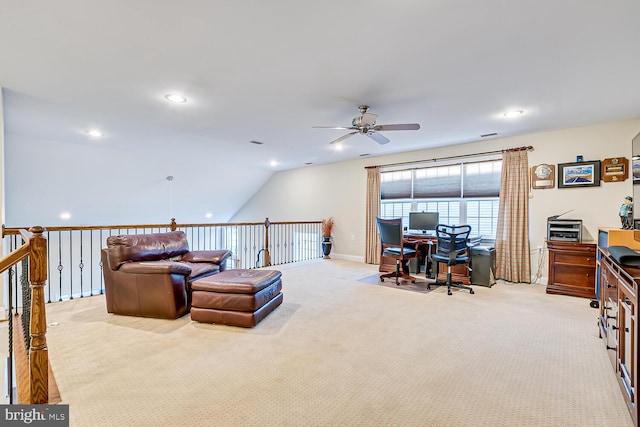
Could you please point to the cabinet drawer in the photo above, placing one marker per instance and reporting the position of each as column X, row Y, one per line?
column 610, row 284
column 577, row 275
column 575, row 258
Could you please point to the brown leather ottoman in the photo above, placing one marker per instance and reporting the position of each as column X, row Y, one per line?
column 236, row 297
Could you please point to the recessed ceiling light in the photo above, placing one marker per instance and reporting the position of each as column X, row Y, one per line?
column 208, row 215
column 178, row 99
column 65, row 215
column 273, row 163
column 338, row 147
column 94, row 132
column 514, row 113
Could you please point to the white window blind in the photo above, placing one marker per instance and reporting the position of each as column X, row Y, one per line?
column 396, row 184
column 437, row 181
column 482, row 179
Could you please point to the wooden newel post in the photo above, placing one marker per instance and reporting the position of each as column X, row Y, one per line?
column 173, row 224
column 267, row 255
column 38, row 352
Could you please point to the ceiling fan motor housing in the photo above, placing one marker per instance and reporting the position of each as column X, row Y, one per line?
column 366, row 120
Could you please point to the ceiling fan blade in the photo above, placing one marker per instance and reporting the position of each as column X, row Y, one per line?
column 404, row 126
column 342, row 138
column 334, row 127
column 380, row 139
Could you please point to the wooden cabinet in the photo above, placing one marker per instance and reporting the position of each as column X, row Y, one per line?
column 459, row 273
column 572, row 268
column 608, row 236
column 617, row 323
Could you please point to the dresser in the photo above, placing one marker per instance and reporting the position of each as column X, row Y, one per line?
column 572, row 268
column 617, row 322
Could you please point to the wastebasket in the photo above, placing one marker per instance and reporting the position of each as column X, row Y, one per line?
column 483, row 266
column 414, row 265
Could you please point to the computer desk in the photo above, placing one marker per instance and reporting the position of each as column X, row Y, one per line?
column 427, row 244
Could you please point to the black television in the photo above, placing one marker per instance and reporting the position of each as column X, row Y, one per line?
column 423, row 221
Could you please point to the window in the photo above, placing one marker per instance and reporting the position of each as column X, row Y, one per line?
column 462, row 193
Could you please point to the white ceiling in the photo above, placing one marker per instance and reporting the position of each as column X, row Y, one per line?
column 270, row 70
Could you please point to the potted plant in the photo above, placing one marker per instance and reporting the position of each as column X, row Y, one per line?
column 327, row 227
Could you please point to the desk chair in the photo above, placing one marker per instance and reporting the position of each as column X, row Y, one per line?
column 392, row 245
column 452, row 250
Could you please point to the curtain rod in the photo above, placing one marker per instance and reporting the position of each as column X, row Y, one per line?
column 527, row 148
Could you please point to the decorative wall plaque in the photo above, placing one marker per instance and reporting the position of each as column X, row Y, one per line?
column 543, row 176
column 615, row 169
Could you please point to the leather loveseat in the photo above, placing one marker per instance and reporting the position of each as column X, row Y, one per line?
column 150, row 275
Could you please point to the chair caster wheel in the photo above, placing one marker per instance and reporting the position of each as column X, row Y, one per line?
column 471, row 292
column 381, row 279
column 413, row 281
column 449, row 293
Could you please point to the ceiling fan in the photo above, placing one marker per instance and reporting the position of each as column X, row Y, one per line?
column 366, row 125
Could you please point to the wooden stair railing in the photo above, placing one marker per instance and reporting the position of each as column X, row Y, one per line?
column 36, row 249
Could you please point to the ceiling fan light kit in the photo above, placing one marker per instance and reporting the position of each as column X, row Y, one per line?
column 365, row 124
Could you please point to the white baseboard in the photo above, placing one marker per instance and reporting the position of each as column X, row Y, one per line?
column 541, row 280
column 345, row 257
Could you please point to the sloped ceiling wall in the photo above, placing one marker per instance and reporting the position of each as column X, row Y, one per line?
column 97, row 183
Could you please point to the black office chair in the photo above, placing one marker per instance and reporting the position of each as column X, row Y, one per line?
column 391, row 245
column 452, row 250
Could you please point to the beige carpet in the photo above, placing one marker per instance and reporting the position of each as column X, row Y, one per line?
column 419, row 286
column 339, row 352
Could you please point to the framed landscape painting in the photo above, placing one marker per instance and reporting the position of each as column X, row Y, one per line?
column 579, row 174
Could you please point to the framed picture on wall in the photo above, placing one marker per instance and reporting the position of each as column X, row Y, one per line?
column 614, row 169
column 579, row 174
column 543, row 176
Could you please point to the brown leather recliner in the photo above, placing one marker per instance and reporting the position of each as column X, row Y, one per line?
column 150, row 275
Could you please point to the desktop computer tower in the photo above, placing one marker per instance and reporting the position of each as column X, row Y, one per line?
column 483, row 265
column 416, row 268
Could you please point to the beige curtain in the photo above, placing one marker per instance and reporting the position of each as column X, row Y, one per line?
column 512, row 237
column 372, row 251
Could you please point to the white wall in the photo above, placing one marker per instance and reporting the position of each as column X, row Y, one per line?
column 338, row 189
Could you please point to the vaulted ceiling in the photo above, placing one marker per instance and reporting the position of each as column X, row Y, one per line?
column 269, row 71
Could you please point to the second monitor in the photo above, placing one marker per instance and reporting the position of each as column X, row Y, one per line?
column 423, row 221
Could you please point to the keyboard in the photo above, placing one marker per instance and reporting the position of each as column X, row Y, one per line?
column 419, row 234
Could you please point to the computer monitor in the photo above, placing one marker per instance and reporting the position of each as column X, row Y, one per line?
column 423, row 221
